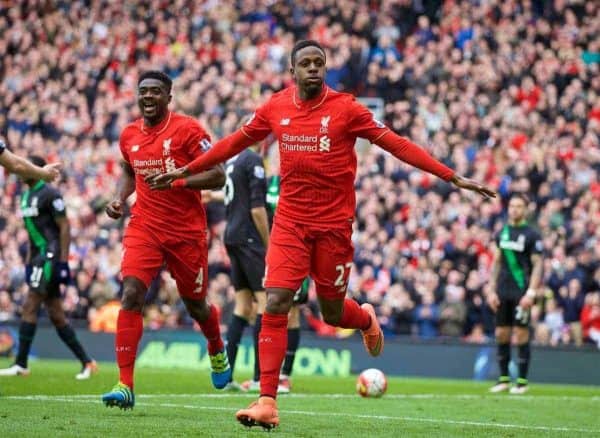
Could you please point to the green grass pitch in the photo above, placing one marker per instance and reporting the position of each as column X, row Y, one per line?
column 178, row 403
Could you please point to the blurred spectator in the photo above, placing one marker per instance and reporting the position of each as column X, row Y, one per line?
column 570, row 299
column 7, row 307
column 427, row 315
column 453, row 312
column 590, row 318
column 554, row 322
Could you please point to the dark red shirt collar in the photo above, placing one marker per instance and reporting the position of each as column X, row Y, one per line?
column 156, row 128
column 310, row 104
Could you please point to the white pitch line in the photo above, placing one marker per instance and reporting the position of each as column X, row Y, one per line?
column 328, row 414
column 425, row 396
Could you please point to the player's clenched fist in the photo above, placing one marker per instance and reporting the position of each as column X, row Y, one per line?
column 114, row 209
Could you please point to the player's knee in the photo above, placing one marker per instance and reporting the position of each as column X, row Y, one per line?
column 28, row 314
column 244, row 311
column 261, row 302
column 331, row 317
column 30, row 310
column 294, row 318
column 198, row 309
column 522, row 336
column 133, row 298
column 57, row 318
column 279, row 301
column 243, row 306
column 502, row 335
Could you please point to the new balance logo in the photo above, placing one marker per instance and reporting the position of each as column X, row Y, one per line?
column 285, row 122
column 324, row 144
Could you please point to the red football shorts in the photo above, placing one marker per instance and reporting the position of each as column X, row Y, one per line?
column 298, row 250
column 145, row 252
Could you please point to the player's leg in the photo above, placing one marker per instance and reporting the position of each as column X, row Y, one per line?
column 300, row 298
column 247, row 275
column 142, row 259
column 288, row 261
column 258, row 309
column 330, row 269
column 130, row 327
column 261, row 304
column 27, row 328
column 272, row 346
column 242, row 311
column 207, row 317
column 67, row 334
column 522, row 333
column 293, row 340
column 187, row 262
column 251, row 264
column 504, row 323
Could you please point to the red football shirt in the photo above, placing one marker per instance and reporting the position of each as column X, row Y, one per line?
column 316, row 146
column 173, row 143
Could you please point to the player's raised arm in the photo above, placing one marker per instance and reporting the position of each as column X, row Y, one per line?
column 535, row 279
column 196, row 144
column 255, row 173
column 410, row 153
column 20, row 166
column 255, row 130
column 363, row 124
column 125, row 187
column 220, row 152
column 210, row 179
column 490, row 292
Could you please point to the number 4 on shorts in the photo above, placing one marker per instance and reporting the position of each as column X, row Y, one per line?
column 199, row 281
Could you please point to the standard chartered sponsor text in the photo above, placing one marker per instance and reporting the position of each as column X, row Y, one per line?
column 297, row 146
column 148, row 163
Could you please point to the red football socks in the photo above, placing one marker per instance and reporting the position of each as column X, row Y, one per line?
column 353, row 316
column 272, row 343
column 129, row 332
column 212, row 331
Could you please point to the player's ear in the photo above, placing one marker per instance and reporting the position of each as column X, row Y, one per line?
column 293, row 72
column 170, row 97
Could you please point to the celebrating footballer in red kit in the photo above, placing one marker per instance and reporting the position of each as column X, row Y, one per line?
column 166, row 226
column 317, row 128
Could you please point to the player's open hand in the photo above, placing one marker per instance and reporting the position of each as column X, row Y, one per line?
column 163, row 181
column 51, row 172
column 472, row 185
column 114, row 209
column 160, row 184
column 493, row 301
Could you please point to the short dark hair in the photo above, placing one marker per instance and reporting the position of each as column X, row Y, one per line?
column 157, row 74
column 519, row 195
column 301, row 45
column 37, row 160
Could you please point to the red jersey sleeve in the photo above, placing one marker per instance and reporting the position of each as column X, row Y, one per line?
column 362, row 123
column 197, row 140
column 258, row 127
column 123, row 145
column 255, row 129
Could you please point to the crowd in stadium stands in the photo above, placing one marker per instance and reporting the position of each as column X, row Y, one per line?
column 507, row 92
